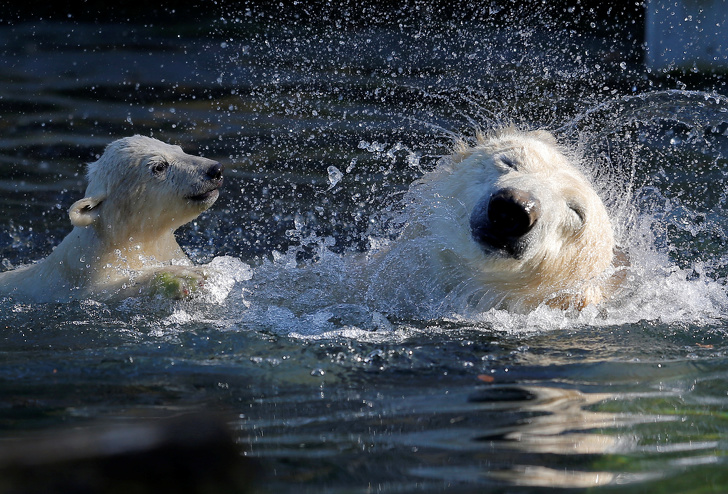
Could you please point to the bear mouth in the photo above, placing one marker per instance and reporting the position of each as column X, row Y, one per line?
column 508, row 247
column 207, row 196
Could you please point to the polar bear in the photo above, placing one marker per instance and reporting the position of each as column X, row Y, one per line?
column 139, row 192
column 510, row 222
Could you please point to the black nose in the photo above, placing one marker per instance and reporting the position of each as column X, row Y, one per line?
column 215, row 171
column 501, row 220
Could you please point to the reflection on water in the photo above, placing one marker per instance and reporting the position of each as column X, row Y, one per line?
column 321, row 127
column 541, row 421
column 565, row 428
column 558, row 430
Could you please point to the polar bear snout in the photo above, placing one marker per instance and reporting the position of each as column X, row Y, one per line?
column 206, row 191
column 501, row 220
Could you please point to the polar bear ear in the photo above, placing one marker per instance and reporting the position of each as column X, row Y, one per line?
column 84, row 212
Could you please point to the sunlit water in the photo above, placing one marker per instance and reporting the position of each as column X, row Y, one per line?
column 340, row 378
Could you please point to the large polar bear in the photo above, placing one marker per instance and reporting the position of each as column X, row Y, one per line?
column 139, row 192
column 510, row 223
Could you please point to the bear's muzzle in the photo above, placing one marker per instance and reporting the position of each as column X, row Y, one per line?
column 208, row 191
column 501, row 221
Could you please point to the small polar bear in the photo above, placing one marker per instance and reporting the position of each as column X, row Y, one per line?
column 139, row 192
column 510, row 222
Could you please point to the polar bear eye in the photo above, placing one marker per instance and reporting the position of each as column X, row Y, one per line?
column 159, row 167
column 507, row 162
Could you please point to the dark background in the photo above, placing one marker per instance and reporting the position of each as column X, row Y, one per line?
column 586, row 15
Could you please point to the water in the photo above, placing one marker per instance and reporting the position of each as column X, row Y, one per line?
column 322, row 125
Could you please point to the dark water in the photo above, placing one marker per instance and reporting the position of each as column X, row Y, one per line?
column 321, row 126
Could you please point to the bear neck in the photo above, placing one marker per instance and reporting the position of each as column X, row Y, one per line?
column 85, row 257
column 138, row 250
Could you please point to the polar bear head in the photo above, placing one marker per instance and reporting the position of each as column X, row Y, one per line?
column 516, row 217
column 141, row 186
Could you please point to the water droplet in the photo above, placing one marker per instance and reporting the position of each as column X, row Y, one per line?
column 335, row 176
column 351, row 166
